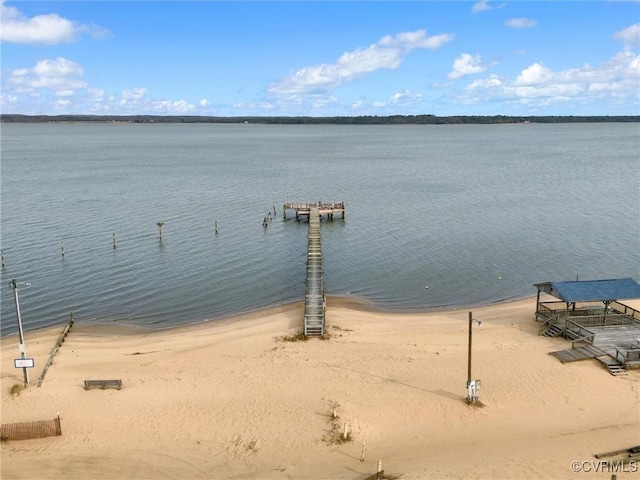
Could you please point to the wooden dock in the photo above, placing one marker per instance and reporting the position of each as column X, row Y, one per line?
column 325, row 209
column 314, row 298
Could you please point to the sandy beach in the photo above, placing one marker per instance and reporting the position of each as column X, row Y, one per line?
column 233, row 399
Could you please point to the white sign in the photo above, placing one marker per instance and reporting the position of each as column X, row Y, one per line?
column 24, row 363
column 23, row 348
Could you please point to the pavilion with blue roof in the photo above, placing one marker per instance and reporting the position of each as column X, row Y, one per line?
column 592, row 290
column 591, row 312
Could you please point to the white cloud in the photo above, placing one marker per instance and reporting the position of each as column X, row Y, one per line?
column 311, row 87
column 95, row 94
column 135, row 101
column 480, row 6
column 483, row 5
column 46, row 29
column 520, row 23
column 400, row 99
column 178, row 107
column 59, row 67
column 405, row 98
column 253, row 106
column 7, row 99
column 617, row 80
column 466, row 64
column 534, row 74
column 324, row 101
column 59, row 75
column 59, row 86
column 61, row 104
column 388, row 53
column 133, row 95
column 630, row 36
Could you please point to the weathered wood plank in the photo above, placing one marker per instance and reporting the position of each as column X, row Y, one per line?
column 577, row 354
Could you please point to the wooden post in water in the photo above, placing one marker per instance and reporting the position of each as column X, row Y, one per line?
column 160, row 224
column 2, row 256
column 62, row 249
column 114, row 242
column 216, row 227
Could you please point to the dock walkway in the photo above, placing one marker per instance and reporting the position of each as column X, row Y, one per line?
column 314, row 301
column 314, row 298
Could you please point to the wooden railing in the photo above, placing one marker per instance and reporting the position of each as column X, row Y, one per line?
column 578, row 331
column 589, row 315
column 544, row 311
column 588, row 339
column 543, row 326
column 628, row 356
column 552, row 320
column 626, row 310
column 604, row 320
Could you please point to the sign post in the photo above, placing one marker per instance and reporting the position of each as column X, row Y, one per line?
column 23, row 348
column 24, row 363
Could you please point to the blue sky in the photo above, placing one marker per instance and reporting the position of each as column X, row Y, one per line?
column 323, row 58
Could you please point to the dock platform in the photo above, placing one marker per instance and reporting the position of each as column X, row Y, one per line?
column 314, row 298
column 325, row 209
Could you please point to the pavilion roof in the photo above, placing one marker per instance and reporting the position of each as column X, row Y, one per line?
column 592, row 290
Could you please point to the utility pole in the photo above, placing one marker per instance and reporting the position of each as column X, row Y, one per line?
column 23, row 355
column 471, row 385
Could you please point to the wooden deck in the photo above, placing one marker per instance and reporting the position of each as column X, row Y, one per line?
column 608, row 338
column 621, row 342
column 616, row 332
column 314, row 300
column 324, row 209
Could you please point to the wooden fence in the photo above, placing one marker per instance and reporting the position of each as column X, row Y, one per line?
column 29, row 430
column 58, row 344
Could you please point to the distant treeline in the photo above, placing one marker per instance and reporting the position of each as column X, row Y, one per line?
column 362, row 120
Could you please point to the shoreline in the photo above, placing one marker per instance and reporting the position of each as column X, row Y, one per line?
column 235, row 399
column 354, row 303
column 426, row 119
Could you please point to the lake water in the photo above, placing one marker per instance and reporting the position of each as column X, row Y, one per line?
column 478, row 213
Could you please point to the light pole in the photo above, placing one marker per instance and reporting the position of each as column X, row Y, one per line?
column 14, row 285
column 471, row 384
